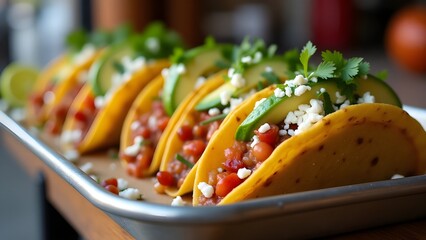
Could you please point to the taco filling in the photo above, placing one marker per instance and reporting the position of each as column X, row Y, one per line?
column 291, row 109
column 241, row 81
column 145, row 130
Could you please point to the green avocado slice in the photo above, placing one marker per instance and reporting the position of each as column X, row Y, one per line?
column 252, row 76
column 182, row 77
column 100, row 74
column 275, row 109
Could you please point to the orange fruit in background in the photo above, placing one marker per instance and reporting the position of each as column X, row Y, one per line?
column 406, row 38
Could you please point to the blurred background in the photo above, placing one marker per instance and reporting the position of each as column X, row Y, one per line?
column 34, row 31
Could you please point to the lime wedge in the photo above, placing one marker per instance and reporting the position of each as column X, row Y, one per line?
column 16, row 83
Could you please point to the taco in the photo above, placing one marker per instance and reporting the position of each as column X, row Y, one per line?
column 323, row 129
column 63, row 78
column 96, row 116
column 65, row 75
column 149, row 119
column 206, row 110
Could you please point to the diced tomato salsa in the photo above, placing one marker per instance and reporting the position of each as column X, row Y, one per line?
column 194, row 136
column 37, row 101
column 85, row 116
column 149, row 126
column 56, row 120
column 242, row 155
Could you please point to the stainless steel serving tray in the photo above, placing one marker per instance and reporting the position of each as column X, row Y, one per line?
column 301, row 215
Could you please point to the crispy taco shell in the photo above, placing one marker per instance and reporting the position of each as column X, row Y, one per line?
column 171, row 141
column 360, row 143
column 106, row 127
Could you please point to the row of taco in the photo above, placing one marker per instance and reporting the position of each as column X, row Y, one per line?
column 228, row 122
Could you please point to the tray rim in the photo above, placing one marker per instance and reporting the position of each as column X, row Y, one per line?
column 239, row 212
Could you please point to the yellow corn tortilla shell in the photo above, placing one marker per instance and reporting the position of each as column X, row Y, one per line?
column 142, row 104
column 106, row 128
column 172, row 142
column 44, row 78
column 360, row 143
column 70, row 82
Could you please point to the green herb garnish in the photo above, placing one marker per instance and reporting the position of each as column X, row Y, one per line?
column 181, row 159
column 119, row 67
column 214, row 118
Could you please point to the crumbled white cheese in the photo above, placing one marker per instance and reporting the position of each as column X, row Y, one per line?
column 231, row 72
column 397, row 176
column 288, row 91
column 132, row 150
column 71, row 136
column 257, row 57
column 48, row 97
column 279, row 93
column 259, row 102
column 99, row 102
column 235, row 102
column 178, row 202
column 255, row 140
column 314, row 79
column 122, row 184
column 165, row 73
column 87, row 168
column 84, row 55
column 340, row 98
column 153, row 44
column 246, row 59
column 226, row 110
column 367, row 98
column 200, row 81
column 264, row 128
column 71, row 155
column 345, row 104
column 282, row 132
column 180, row 68
column 301, row 90
column 243, row 173
column 219, row 169
column 268, row 69
column 237, row 80
column 225, row 97
column 130, row 193
column 322, row 90
column 304, row 117
column 300, row 80
column 206, row 189
column 214, row 111
column 135, row 125
column 152, row 122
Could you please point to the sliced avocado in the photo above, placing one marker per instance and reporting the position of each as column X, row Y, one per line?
column 182, row 77
column 100, row 74
column 275, row 109
column 252, row 75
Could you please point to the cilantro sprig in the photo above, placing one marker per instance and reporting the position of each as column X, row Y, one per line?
column 249, row 53
column 156, row 41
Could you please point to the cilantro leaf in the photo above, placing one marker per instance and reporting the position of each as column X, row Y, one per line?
column 383, row 75
column 350, row 69
column 307, row 52
column 324, row 70
column 328, row 105
column 364, row 68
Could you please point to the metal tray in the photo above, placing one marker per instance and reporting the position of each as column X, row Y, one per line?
column 301, row 215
